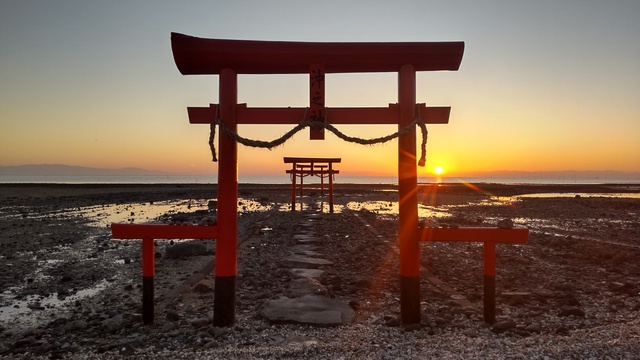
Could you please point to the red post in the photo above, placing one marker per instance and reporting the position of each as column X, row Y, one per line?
column 148, row 271
column 331, row 188
column 226, row 266
column 301, row 186
column 293, row 187
column 489, row 257
column 408, row 200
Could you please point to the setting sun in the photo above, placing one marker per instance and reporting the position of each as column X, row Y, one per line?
column 438, row 170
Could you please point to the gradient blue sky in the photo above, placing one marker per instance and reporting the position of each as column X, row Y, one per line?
column 543, row 85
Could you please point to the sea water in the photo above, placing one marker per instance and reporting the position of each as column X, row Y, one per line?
column 284, row 179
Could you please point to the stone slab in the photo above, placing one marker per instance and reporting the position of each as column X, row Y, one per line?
column 306, row 286
column 307, row 273
column 304, row 247
column 301, row 261
column 310, row 309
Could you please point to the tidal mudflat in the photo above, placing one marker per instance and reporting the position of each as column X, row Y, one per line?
column 71, row 291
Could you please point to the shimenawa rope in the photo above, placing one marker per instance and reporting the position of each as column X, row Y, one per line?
column 317, row 125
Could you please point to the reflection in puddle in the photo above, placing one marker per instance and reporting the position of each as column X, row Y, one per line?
column 39, row 306
column 104, row 215
column 392, row 208
column 581, row 195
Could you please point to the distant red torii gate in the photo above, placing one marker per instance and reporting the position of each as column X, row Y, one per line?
column 228, row 58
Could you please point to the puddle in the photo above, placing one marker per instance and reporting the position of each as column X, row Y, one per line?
column 35, row 308
column 581, row 195
column 30, row 310
column 104, row 215
column 392, row 208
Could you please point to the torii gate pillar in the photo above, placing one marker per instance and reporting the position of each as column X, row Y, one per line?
column 226, row 267
column 408, row 200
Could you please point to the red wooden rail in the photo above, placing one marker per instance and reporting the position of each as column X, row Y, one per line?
column 489, row 237
column 293, row 115
column 148, row 233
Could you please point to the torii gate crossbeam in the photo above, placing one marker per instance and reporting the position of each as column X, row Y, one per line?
column 228, row 58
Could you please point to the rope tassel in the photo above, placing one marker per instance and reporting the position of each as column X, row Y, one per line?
column 212, row 135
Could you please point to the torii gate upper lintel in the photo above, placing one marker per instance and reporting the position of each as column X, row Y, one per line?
column 228, row 58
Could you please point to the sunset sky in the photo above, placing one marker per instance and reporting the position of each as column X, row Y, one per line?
column 544, row 85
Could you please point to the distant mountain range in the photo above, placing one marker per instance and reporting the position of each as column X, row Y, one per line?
column 68, row 170
column 569, row 175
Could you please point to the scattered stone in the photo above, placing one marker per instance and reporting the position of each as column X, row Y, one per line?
column 505, row 224
column 503, row 325
column 168, row 326
column 393, row 322
column 198, row 323
column 75, row 325
column 126, row 350
column 568, row 310
column 172, row 315
column 533, row 328
column 516, row 300
column 208, row 221
column 571, row 300
column 211, row 344
column 112, row 325
column 186, row 249
column 179, row 218
column 217, row 331
column 35, row 306
column 202, row 289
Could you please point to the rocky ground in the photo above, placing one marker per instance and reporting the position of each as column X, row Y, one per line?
column 71, row 291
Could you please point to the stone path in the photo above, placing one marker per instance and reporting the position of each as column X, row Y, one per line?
column 307, row 299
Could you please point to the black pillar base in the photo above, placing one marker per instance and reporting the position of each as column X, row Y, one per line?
column 489, row 299
column 147, row 299
column 410, row 299
column 224, row 302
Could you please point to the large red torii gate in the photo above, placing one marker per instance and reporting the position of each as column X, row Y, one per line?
column 228, row 58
